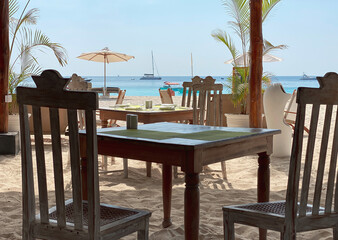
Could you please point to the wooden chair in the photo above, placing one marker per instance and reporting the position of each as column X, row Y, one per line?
column 112, row 123
column 299, row 213
column 291, row 111
column 187, row 91
column 77, row 83
column 186, row 102
column 119, row 100
column 207, row 109
column 166, row 97
column 74, row 218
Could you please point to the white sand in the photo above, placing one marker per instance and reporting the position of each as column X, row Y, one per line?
column 141, row 192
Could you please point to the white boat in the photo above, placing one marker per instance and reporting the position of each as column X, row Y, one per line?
column 306, row 77
column 151, row 76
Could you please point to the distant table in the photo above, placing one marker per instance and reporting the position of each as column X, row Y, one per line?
column 109, row 90
column 146, row 115
column 190, row 147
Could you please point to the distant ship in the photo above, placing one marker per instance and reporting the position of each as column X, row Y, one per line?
column 306, row 77
column 151, row 76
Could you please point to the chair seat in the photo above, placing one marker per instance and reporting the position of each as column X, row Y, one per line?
column 277, row 208
column 108, row 213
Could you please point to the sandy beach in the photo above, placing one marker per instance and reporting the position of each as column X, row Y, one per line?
column 141, row 192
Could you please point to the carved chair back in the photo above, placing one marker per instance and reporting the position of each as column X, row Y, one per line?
column 187, row 91
column 207, row 102
column 79, row 84
column 51, row 93
column 308, row 171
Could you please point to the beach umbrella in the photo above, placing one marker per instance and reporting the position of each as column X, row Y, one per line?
column 266, row 58
column 105, row 56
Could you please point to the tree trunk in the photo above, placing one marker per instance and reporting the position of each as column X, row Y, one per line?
column 4, row 63
column 256, row 68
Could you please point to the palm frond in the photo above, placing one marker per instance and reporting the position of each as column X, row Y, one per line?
column 36, row 39
column 27, row 41
column 267, row 6
column 268, row 47
column 13, row 7
column 28, row 17
column 223, row 37
column 240, row 11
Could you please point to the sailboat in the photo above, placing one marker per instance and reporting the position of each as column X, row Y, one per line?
column 306, row 77
column 151, row 76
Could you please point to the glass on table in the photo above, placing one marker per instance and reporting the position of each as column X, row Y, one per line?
column 149, row 104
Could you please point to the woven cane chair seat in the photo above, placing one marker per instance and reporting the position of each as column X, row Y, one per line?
column 270, row 207
column 107, row 214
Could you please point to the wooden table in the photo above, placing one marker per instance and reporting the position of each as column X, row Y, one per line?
column 146, row 115
column 190, row 147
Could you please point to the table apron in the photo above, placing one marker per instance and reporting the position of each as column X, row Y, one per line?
column 145, row 117
column 190, row 160
column 235, row 150
column 144, row 152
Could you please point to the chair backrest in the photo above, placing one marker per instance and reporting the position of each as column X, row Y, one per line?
column 207, row 109
column 79, row 84
column 166, row 97
column 315, row 169
column 120, row 96
column 291, row 108
column 51, row 93
column 187, row 91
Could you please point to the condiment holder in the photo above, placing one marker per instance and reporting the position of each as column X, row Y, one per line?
column 132, row 121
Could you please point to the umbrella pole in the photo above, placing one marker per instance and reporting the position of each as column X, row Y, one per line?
column 105, row 86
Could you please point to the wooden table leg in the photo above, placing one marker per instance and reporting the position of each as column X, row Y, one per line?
column 263, row 184
column 84, row 178
column 166, row 191
column 104, row 123
column 148, row 167
column 191, row 206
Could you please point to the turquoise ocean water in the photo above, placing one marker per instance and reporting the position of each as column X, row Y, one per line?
column 136, row 87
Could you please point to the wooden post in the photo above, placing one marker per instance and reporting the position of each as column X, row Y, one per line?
column 4, row 63
column 256, row 69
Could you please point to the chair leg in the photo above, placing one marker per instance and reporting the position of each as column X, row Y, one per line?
column 104, row 163
column 144, row 233
column 288, row 236
column 125, row 167
column 228, row 226
column 175, row 172
column 224, row 170
column 148, row 168
column 112, row 160
column 335, row 233
column 27, row 236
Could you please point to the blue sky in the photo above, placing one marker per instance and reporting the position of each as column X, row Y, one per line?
column 174, row 29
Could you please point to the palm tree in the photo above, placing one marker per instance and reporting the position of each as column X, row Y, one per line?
column 26, row 41
column 239, row 10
